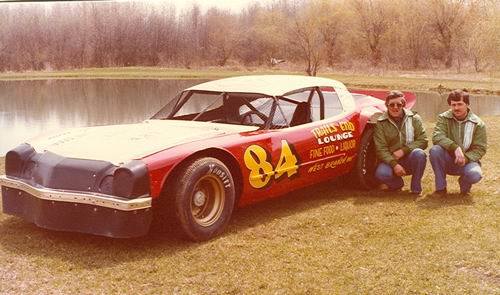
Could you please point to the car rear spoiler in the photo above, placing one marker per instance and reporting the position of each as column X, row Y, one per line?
column 410, row 97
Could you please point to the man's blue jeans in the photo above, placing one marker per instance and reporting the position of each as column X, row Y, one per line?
column 413, row 163
column 443, row 163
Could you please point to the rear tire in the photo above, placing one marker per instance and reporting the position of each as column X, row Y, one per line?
column 366, row 162
column 204, row 197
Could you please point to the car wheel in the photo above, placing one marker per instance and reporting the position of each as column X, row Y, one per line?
column 366, row 162
column 204, row 198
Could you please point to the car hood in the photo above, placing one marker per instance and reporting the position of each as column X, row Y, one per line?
column 119, row 144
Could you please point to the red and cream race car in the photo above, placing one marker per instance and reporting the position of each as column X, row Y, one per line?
column 215, row 146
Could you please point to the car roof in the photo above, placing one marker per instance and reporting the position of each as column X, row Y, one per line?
column 273, row 85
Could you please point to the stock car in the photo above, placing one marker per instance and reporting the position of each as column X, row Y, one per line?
column 216, row 146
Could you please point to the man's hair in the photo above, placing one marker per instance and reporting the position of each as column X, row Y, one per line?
column 459, row 95
column 394, row 94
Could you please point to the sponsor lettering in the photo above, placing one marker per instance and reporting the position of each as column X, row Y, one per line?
column 324, row 130
column 316, row 153
column 330, row 164
column 335, row 137
column 347, row 145
column 332, row 149
column 334, row 163
column 333, row 132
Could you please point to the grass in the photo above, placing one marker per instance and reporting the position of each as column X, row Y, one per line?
column 322, row 240
column 436, row 81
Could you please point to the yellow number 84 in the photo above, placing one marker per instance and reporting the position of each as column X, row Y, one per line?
column 261, row 170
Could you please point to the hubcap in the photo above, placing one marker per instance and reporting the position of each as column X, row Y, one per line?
column 207, row 202
column 199, row 199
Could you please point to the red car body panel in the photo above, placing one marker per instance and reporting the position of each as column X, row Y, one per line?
column 312, row 143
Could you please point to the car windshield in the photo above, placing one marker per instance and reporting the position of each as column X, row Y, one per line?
column 231, row 108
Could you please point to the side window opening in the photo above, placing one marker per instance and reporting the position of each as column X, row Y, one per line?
column 333, row 105
column 314, row 98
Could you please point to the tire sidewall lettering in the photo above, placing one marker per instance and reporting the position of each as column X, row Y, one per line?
column 221, row 173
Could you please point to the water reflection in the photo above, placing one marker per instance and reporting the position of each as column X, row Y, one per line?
column 30, row 108
column 429, row 104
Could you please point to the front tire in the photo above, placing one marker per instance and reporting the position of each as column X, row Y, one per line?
column 366, row 162
column 204, row 198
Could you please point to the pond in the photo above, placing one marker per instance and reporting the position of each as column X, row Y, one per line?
column 31, row 108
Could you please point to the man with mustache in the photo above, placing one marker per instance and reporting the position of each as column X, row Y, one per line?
column 459, row 144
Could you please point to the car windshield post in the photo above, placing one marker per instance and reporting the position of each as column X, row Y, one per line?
column 182, row 100
column 174, row 101
column 209, row 106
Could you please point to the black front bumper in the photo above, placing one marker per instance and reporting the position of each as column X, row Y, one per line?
column 76, row 212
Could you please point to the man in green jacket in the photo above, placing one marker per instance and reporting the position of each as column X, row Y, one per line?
column 400, row 141
column 459, row 143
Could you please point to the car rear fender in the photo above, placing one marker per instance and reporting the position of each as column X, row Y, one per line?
column 369, row 116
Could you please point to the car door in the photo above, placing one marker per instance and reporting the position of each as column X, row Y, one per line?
column 318, row 150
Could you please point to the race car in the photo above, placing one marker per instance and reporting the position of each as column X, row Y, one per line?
column 215, row 146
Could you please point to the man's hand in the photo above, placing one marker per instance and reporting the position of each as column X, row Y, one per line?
column 398, row 154
column 399, row 170
column 459, row 157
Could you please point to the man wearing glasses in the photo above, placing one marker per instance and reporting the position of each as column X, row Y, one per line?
column 400, row 141
column 459, row 143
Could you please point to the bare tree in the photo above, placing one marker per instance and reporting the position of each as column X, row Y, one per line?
column 162, row 35
column 483, row 42
column 373, row 22
column 406, row 33
column 413, row 26
column 448, row 19
column 331, row 22
column 223, row 36
column 305, row 36
column 5, row 39
column 263, row 35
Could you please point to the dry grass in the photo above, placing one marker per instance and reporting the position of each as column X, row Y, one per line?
column 323, row 240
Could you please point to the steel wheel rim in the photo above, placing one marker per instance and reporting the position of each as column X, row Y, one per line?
column 207, row 200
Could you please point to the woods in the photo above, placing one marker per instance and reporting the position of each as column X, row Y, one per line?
column 308, row 35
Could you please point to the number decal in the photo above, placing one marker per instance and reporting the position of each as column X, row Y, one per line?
column 261, row 170
column 287, row 163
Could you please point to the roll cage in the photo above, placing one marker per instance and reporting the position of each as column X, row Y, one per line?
column 252, row 109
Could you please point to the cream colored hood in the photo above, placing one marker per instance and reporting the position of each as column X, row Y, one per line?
column 121, row 143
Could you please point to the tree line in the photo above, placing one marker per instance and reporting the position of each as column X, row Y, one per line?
column 400, row 34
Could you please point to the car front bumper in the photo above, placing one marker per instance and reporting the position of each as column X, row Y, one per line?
column 83, row 212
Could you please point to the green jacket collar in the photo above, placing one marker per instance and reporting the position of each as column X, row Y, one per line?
column 470, row 116
column 385, row 115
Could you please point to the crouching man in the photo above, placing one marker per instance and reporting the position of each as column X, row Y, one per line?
column 400, row 141
column 459, row 143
